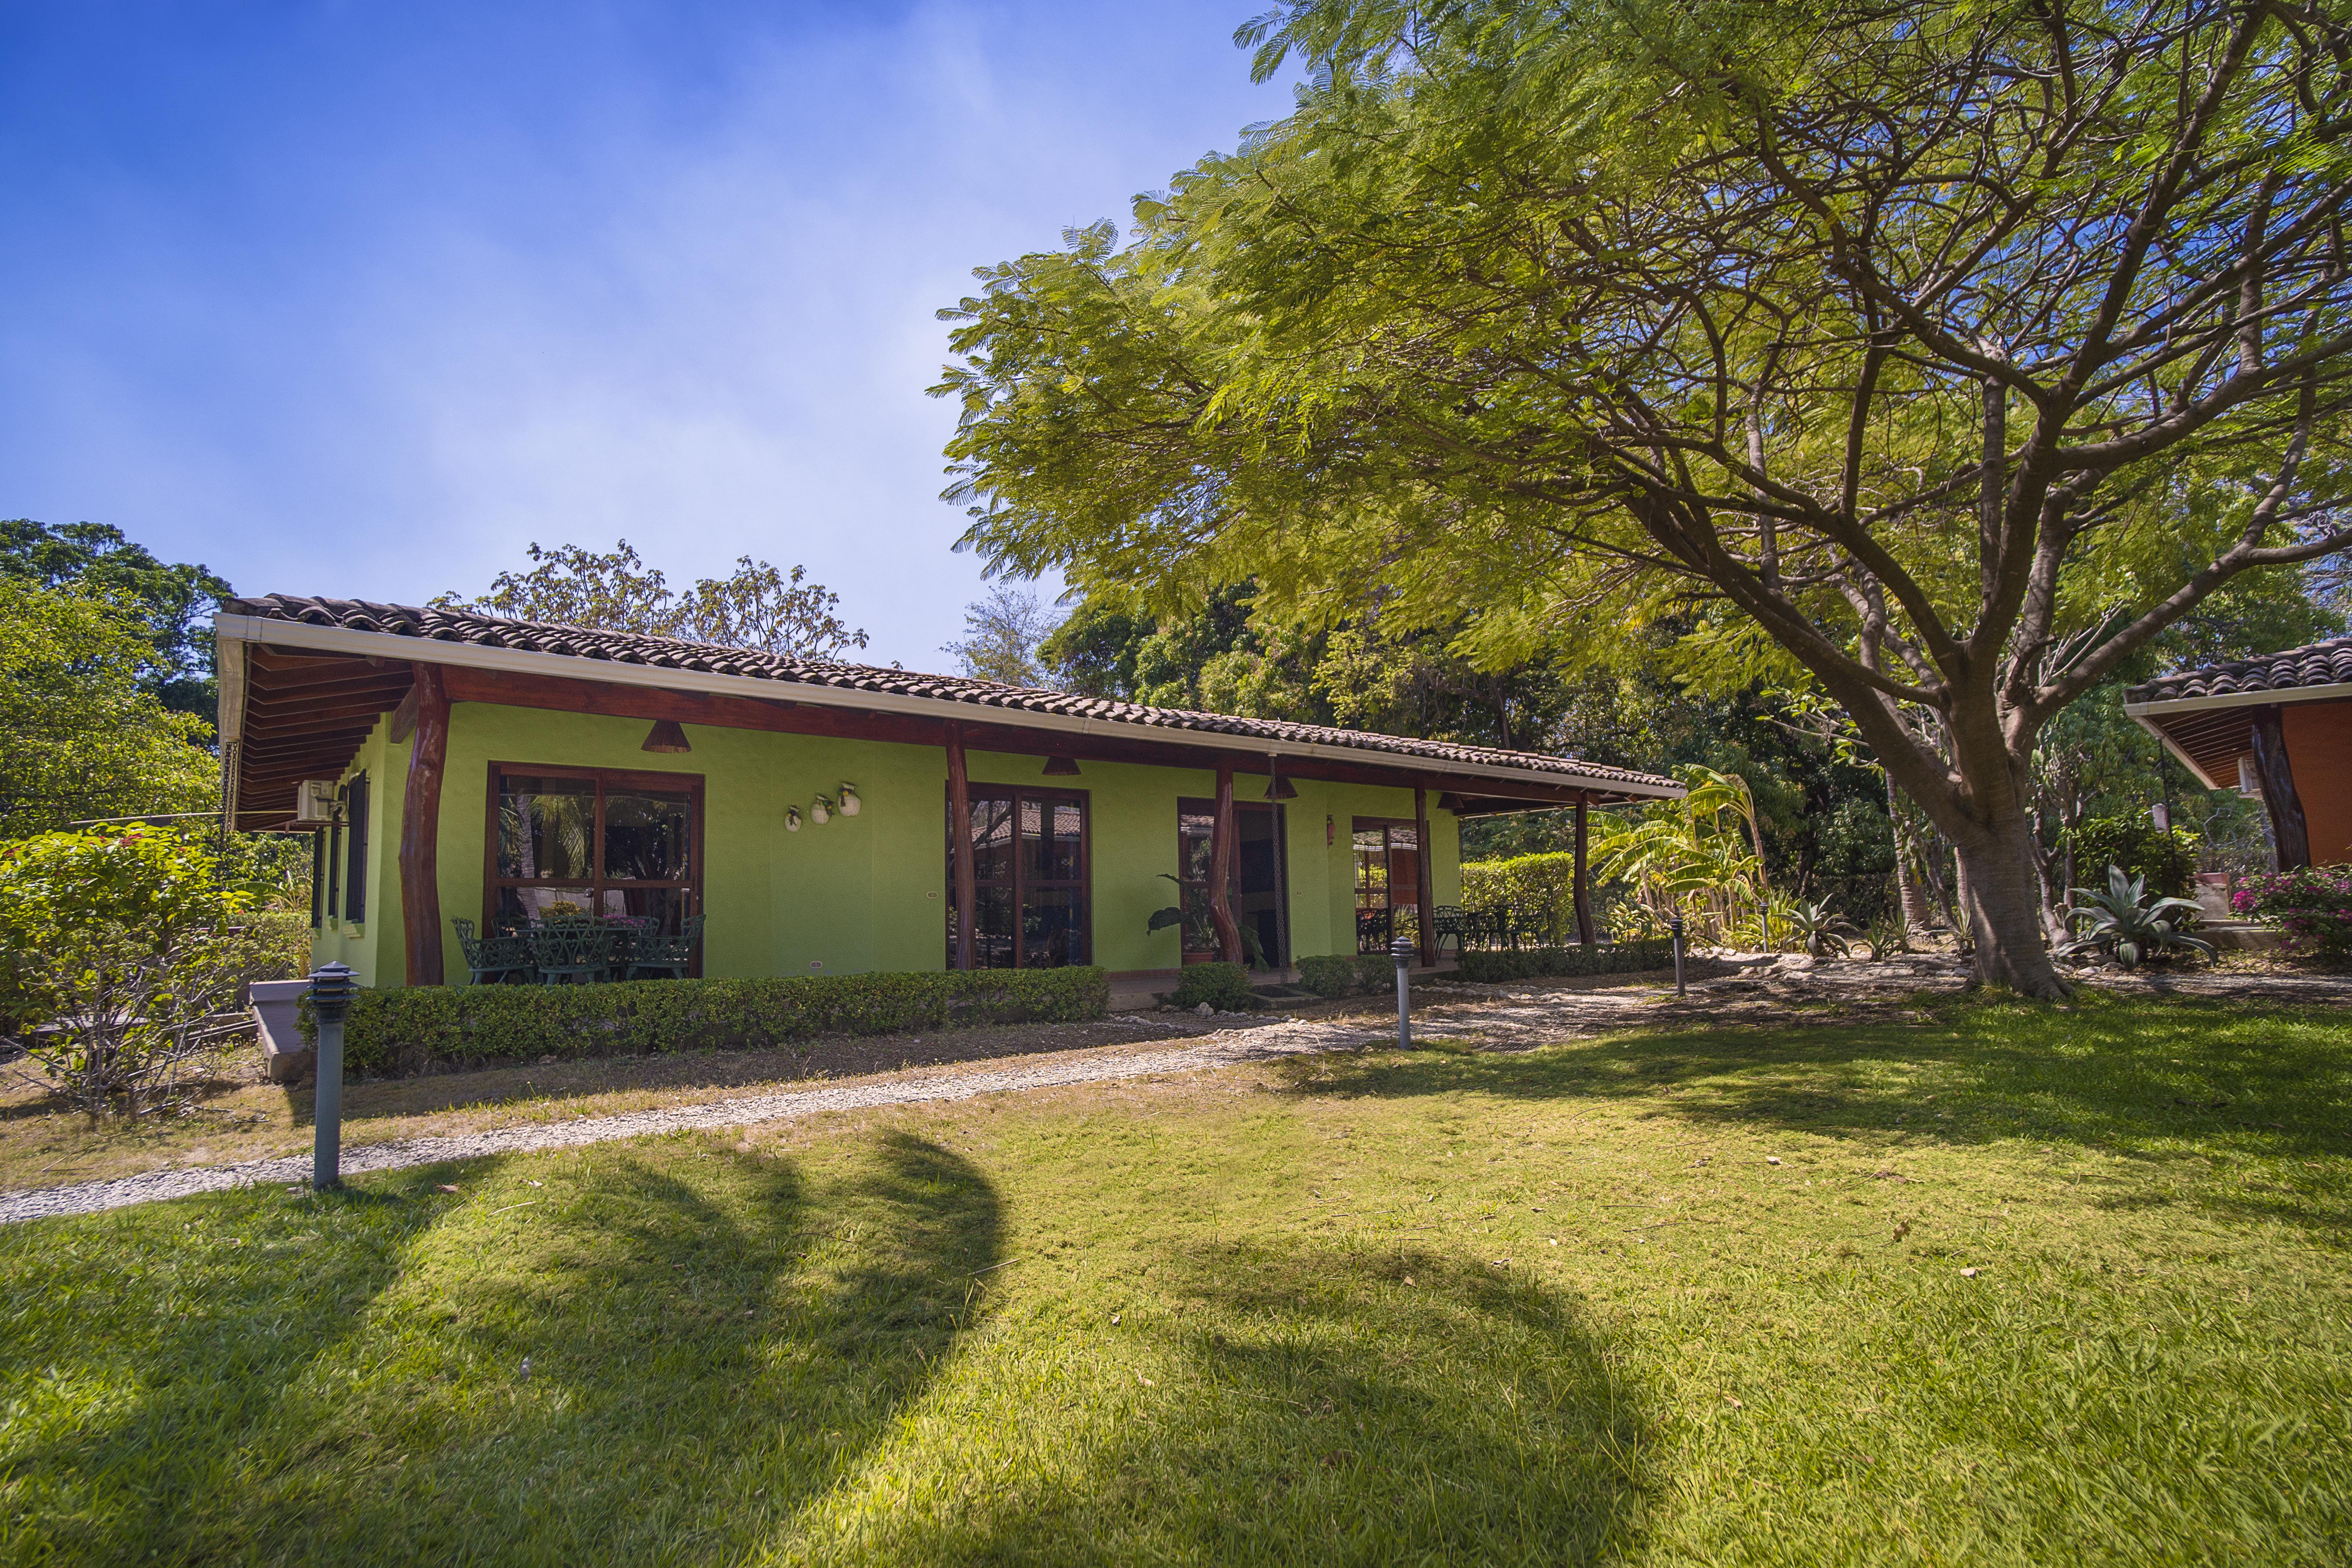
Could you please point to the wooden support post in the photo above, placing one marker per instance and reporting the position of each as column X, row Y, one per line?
column 420, row 828
column 1425, row 881
column 1583, row 886
column 1221, row 870
column 2289, row 831
column 960, row 828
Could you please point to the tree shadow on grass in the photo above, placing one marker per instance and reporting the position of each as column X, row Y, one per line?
column 146, row 1345
column 709, row 1341
column 1324, row 1405
column 2144, row 1079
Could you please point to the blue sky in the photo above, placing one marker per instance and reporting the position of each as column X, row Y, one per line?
column 359, row 300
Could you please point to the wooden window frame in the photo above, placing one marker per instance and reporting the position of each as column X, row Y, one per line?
column 606, row 780
column 976, row 792
column 1387, row 847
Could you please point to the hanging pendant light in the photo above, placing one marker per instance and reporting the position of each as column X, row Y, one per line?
column 665, row 736
column 1276, row 786
column 1061, row 767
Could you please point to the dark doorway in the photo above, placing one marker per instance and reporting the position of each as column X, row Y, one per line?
column 1030, row 908
column 1256, row 894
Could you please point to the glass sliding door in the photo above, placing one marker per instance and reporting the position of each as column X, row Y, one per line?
column 1257, row 891
column 1030, row 905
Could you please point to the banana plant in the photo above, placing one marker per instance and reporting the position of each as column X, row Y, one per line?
column 1697, row 854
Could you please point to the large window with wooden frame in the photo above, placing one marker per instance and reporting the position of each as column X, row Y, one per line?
column 1031, row 908
column 1388, row 881
column 591, row 841
column 1255, row 893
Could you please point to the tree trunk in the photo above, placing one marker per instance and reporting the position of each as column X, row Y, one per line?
column 2001, row 901
column 1909, row 896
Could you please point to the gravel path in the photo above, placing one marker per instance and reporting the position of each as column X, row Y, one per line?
column 1759, row 992
column 1259, row 1042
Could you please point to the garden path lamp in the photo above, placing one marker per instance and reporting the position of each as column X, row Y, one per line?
column 331, row 991
column 1402, row 949
column 1675, row 929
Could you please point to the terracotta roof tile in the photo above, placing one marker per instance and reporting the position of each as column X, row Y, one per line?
column 456, row 625
column 2319, row 664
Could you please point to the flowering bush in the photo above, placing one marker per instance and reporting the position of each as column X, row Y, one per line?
column 2312, row 906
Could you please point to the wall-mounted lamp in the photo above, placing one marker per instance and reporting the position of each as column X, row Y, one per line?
column 792, row 819
column 665, row 736
column 1276, row 786
column 1061, row 767
column 1330, row 832
column 850, row 804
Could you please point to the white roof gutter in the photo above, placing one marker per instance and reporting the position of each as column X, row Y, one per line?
column 2146, row 715
column 232, row 629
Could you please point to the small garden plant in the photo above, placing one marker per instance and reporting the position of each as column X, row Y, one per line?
column 2127, row 924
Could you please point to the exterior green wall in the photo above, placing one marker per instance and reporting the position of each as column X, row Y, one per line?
column 858, row 893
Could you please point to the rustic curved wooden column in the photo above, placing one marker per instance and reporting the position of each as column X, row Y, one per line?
column 960, row 829
column 1583, row 886
column 1220, row 871
column 420, row 823
column 2289, row 831
column 1424, row 879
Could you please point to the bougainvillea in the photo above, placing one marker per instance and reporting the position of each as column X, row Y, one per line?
column 2312, row 906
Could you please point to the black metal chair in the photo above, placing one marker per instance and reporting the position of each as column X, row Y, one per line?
column 1372, row 930
column 579, row 949
column 670, row 954
column 1447, row 921
column 502, row 957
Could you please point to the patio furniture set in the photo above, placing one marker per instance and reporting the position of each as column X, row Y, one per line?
column 582, row 950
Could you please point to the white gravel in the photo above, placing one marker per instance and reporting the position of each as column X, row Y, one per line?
column 1257, row 1043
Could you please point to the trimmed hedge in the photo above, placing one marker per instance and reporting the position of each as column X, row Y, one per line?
column 1346, row 973
column 1612, row 958
column 413, row 1030
column 1223, row 986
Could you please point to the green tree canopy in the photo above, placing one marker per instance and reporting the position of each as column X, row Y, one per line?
column 81, row 735
column 757, row 606
column 173, row 599
column 1960, row 350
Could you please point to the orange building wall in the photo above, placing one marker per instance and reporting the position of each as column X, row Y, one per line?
column 2319, row 748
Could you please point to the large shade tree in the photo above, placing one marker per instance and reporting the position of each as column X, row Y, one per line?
column 1959, row 348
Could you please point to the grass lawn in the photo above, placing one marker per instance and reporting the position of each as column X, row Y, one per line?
column 1693, row 1297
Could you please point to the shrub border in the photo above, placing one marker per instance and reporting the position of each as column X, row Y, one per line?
column 414, row 1029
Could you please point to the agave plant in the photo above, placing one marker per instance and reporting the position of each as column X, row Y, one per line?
column 1821, row 929
column 2127, row 923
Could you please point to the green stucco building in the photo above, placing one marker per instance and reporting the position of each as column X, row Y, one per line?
column 462, row 768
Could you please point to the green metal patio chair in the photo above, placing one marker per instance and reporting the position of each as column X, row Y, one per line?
column 579, row 949
column 670, row 954
column 489, row 958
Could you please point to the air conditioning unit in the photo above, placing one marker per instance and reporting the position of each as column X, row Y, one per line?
column 314, row 803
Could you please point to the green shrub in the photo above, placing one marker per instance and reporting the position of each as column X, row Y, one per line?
column 1331, row 974
column 1223, row 986
column 1612, row 958
column 1539, row 886
column 2165, row 860
column 411, row 1029
column 1347, row 974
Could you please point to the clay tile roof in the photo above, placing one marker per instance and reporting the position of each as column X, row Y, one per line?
column 456, row 625
column 2319, row 664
